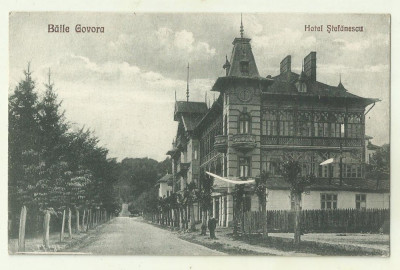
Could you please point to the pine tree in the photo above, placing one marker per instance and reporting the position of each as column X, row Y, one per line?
column 52, row 123
column 24, row 149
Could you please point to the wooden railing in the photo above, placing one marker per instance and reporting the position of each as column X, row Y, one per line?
column 338, row 220
column 309, row 141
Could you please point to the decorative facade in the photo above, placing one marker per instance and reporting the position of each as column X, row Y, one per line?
column 257, row 122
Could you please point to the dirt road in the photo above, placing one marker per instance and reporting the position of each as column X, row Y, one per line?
column 130, row 236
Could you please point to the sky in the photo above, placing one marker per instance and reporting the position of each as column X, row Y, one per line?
column 122, row 83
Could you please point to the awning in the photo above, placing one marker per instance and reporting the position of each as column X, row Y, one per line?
column 236, row 182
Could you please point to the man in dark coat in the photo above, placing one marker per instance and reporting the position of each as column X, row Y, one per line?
column 212, row 224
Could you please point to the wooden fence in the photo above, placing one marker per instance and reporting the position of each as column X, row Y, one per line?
column 335, row 221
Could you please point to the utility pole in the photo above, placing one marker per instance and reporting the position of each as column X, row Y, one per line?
column 341, row 163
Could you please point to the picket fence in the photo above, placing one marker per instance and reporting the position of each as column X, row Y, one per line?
column 335, row 221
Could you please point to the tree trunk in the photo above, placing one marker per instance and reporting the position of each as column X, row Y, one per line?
column 83, row 219
column 62, row 227
column 264, row 218
column 192, row 218
column 88, row 220
column 77, row 221
column 21, row 233
column 70, row 223
column 46, row 229
column 297, row 223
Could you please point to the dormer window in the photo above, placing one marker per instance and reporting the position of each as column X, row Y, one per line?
column 244, row 67
column 301, row 87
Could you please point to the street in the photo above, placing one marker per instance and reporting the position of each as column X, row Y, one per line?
column 130, row 236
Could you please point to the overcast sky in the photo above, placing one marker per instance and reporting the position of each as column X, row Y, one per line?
column 121, row 83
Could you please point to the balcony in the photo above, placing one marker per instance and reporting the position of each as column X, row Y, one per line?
column 221, row 143
column 244, row 142
column 310, row 141
column 182, row 168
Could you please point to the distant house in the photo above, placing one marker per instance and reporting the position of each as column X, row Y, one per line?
column 370, row 149
column 165, row 186
column 259, row 121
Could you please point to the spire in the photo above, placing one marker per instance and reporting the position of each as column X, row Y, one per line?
column 340, row 81
column 227, row 65
column 242, row 62
column 241, row 26
column 302, row 76
column 187, row 88
column 175, row 95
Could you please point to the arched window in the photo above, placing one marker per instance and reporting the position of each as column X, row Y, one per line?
column 244, row 123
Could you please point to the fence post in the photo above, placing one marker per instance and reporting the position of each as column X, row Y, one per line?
column 21, row 234
column 83, row 219
column 77, row 221
column 62, row 227
column 69, row 223
column 46, row 229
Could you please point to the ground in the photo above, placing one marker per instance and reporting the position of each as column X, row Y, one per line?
column 135, row 236
column 129, row 236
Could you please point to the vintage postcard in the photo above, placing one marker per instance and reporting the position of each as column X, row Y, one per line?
column 199, row 134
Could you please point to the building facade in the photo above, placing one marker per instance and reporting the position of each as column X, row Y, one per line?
column 257, row 122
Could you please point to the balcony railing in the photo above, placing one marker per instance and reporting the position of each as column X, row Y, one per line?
column 304, row 141
column 221, row 143
column 244, row 142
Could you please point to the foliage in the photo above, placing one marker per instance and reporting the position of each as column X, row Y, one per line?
column 261, row 187
column 51, row 166
column 138, row 175
column 379, row 164
column 291, row 171
column 204, row 194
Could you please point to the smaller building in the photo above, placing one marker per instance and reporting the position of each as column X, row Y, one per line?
column 370, row 149
column 165, row 186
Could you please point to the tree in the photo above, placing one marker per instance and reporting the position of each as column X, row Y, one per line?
column 379, row 164
column 205, row 199
column 292, row 174
column 261, row 191
column 238, row 198
column 24, row 149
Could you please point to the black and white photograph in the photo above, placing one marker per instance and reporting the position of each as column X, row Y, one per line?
column 199, row 134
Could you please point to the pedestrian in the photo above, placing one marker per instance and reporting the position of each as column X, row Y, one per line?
column 212, row 224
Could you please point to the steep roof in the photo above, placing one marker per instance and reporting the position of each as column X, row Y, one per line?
column 165, row 179
column 322, row 184
column 189, row 107
column 191, row 121
column 285, row 84
column 243, row 55
column 371, row 146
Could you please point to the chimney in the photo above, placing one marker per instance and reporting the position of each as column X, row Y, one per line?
column 286, row 64
column 310, row 66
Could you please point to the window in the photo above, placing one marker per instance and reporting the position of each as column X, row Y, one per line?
column 326, row 171
column 225, row 125
column 244, row 67
column 195, row 154
column 352, row 170
column 244, row 167
column 321, row 125
column 354, row 126
column 286, row 123
column 244, row 123
column 301, row 87
column 361, row 201
column 304, row 124
column 328, row 201
column 270, row 126
column 273, row 164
